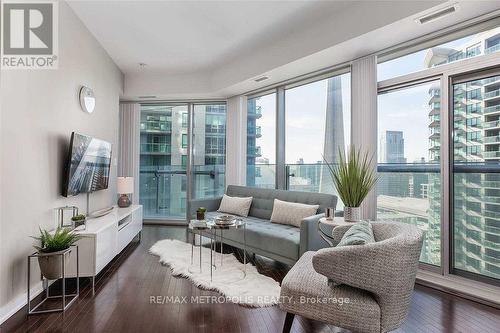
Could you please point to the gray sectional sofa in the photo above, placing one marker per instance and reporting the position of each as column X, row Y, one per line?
column 283, row 243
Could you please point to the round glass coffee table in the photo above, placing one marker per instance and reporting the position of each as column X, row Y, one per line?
column 216, row 230
column 219, row 229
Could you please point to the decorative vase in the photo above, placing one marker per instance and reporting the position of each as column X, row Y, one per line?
column 200, row 216
column 51, row 264
column 352, row 214
column 124, row 201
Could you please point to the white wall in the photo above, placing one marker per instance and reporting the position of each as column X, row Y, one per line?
column 236, row 140
column 39, row 110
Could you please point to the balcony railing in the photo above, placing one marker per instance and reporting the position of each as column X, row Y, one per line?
column 254, row 131
column 156, row 126
column 491, row 154
column 255, row 152
column 492, row 94
column 491, row 124
column 492, row 49
column 163, row 190
column 255, row 112
column 492, row 109
column 215, row 129
column 492, row 139
column 155, row 148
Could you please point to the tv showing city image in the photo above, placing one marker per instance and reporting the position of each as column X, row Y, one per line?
column 88, row 165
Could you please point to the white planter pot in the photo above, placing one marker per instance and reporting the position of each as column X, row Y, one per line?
column 352, row 214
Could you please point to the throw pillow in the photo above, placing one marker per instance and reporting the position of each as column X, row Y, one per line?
column 235, row 205
column 360, row 233
column 291, row 213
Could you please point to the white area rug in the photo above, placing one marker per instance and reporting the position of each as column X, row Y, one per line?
column 255, row 290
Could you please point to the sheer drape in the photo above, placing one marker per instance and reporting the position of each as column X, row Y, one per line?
column 129, row 149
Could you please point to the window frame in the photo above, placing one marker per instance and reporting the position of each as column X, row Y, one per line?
column 279, row 90
column 445, row 73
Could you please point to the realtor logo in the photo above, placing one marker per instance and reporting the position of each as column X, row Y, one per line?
column 29, row 35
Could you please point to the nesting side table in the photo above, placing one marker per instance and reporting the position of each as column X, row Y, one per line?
column 331, row 223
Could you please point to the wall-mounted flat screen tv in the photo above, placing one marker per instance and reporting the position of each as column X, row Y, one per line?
column 88, row 165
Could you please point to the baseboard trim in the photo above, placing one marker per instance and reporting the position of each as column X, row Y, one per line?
column 9, row 309
column 458, row 286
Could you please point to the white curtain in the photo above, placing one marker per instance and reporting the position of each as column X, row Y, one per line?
column 364, row 117
column 128, row 158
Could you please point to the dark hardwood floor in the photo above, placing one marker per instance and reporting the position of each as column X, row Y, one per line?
column 123, row 291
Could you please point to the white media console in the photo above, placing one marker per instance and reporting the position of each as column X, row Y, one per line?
column 104, row 238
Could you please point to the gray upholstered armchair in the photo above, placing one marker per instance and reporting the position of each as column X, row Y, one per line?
column 376, row 281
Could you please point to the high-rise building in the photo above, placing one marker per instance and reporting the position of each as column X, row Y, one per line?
column 392, row 150
column 254, row 112
column 476, row 201
column 392, row 147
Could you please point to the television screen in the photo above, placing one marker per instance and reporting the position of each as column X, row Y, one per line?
column 88, row 165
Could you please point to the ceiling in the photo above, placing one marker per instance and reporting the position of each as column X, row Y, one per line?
column 215, row 49
column 191, row 36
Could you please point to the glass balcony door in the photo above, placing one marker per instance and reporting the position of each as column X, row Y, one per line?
column 208, row 150
column 163, row 173
column 476, row 177
column 183, row 155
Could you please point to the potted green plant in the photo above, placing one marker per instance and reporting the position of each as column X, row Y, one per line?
column 200, row 213
column 79, row 220
column 353, row 177
column 52, row 244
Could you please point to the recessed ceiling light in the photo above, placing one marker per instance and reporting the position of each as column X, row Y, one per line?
column 142, row 65
column 436, row 15
column 262, row 78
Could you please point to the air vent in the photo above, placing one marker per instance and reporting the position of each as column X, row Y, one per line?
column 260, row 79
column 437, row 15
column 145, row 97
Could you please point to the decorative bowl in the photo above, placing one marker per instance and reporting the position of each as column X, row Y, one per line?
column 225, row 219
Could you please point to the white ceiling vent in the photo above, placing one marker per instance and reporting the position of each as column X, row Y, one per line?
column 262, row 78
column 146, row 97
column 436, row 15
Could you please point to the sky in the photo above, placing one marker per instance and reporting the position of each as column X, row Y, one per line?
column 305, row 108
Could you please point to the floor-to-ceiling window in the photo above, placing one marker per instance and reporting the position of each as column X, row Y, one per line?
column 317, row 128
column 439, row 111
column 261, row 141
column 164, row 156
column 476, row 176
column 409, row 186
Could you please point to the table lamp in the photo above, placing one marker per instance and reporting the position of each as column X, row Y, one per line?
column 124, row 186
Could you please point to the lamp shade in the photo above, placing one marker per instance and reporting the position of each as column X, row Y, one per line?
column 125, row 185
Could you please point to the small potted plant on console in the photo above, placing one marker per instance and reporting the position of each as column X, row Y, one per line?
column 52, row 244
column 200, row 213
column 79, row 220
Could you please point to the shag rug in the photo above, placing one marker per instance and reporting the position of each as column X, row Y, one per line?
column 255, row 290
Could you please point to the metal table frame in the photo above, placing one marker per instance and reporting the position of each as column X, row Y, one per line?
column 212, row 228
column 63, row 296
column 200, row 231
